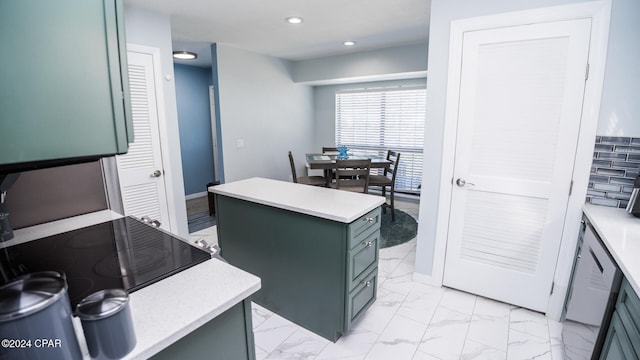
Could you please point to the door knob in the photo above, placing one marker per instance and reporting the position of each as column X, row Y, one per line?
column 462, row 182
column 156, row 173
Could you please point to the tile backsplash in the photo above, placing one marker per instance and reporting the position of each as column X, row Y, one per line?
column 616, row 163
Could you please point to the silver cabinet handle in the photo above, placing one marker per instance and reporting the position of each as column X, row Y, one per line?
column 368, row 243
column 366, row 283
column 370, row 220
column 462, row 182
column 156, row 173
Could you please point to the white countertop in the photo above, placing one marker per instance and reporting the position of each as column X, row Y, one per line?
column 167, row 310
column 331, row 204
column 620, row 233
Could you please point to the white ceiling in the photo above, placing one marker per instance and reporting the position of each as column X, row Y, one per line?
column 259, row 25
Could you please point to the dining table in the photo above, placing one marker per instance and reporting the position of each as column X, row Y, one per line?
column 327, row 162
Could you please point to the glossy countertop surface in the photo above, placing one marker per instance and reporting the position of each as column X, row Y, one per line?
column 167, row 310
column 620, row 233
column 331, row 204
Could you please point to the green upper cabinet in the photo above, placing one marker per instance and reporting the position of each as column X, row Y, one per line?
column 64, row 86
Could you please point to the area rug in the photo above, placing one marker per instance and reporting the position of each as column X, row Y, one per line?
column 397, row 232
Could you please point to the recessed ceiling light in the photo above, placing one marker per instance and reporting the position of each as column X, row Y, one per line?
column 185, row 55
column 293, row 20
column 349, row 43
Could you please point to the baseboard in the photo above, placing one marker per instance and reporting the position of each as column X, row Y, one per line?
column 195, row 196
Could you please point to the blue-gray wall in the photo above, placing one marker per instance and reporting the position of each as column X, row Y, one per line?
column 194, row 121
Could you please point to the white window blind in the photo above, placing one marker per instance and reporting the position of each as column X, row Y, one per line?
column 372, row 121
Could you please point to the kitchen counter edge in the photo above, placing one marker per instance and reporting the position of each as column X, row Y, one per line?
column 331, row 204
column 190, row 299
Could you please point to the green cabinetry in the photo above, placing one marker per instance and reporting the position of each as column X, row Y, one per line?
column 64, row 81
column 228, row 336
column 623, row 336
column 318, row 273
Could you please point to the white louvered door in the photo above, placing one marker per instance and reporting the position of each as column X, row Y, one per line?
column 140, row 171
column 520, row 102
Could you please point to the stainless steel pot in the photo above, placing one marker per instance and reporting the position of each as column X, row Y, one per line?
column 107, row 323
column 35, row 319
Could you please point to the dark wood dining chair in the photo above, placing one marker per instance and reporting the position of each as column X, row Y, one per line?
column 352, row 175
column 307, row 180
column 388, row 178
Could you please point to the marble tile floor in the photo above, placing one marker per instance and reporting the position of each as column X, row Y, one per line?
column 412, row 320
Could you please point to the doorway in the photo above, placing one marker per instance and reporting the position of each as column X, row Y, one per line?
column 141, row 171
column 520, row 104
column 451, row 222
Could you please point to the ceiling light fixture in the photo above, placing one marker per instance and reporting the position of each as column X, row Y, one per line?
column 293, row 20
column 185, row 55
column 349, row 43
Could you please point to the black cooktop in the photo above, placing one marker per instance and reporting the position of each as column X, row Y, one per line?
column 123, row 253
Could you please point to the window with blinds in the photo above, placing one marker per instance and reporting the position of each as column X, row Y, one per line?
column 372, row 121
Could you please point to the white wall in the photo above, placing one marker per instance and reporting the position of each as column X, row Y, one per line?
column 409, row 61
column 148, row 28
column 262, row 107
column 620, row 107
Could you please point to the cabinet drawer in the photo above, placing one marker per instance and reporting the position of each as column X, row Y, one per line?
column 363, row 257
column 359, row 228
column 361, row 297
column 628, row 309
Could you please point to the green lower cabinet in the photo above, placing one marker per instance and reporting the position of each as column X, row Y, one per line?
column 228, row 336
column 320, row 274
column 623, row 335
column 362, row 297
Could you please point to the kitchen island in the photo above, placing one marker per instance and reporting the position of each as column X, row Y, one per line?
column 200, row 312
column 315, row 249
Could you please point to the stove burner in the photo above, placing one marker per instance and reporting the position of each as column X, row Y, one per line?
column 122, row 253
column 88, row 238
column 140, row 261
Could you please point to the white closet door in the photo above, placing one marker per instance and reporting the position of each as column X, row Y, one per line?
column 140, row 171
column 520, row 101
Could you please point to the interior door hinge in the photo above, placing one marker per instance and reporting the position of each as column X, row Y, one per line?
column 586, row 73
column 553, row 284
column 571, row 188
